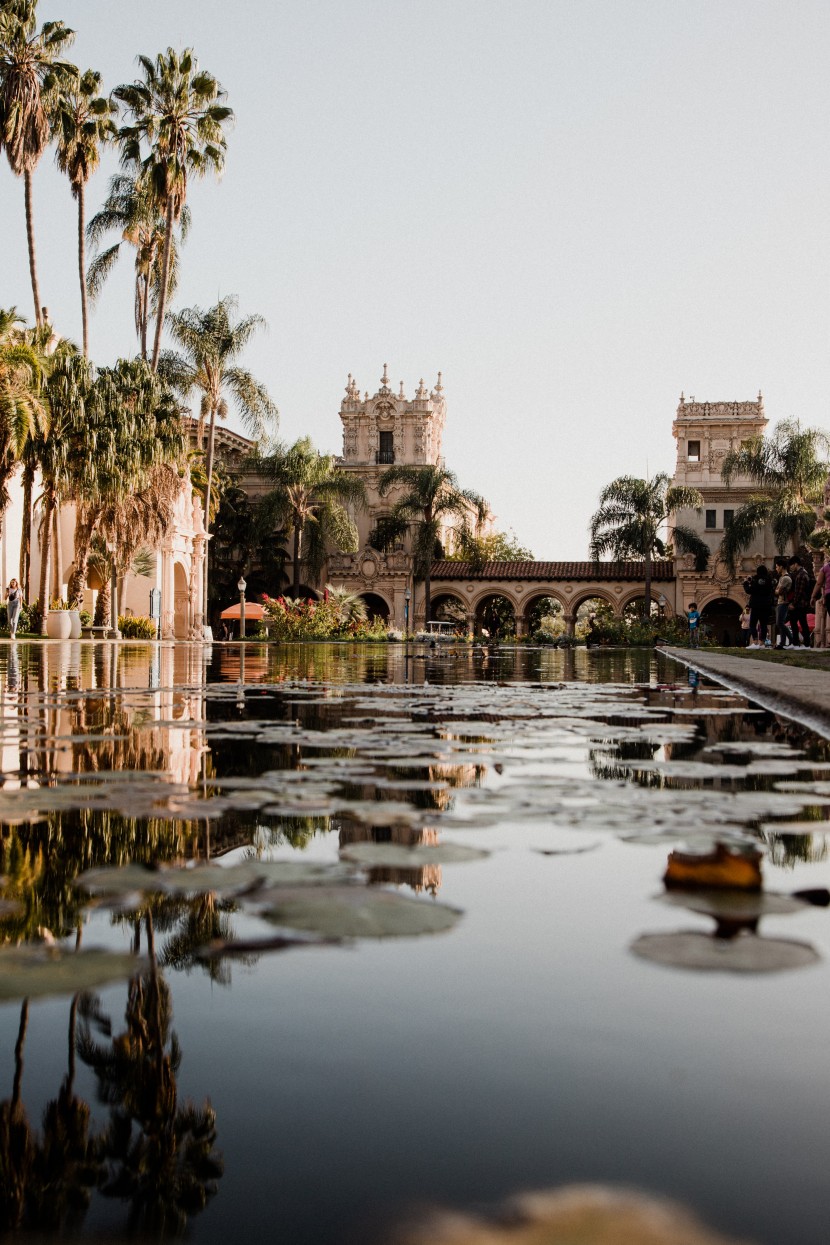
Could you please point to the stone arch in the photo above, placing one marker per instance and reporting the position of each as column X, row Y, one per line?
column 638, row 594
column 181, row 601
column 376, row 606
column 720, row 616
column 533, row 599
column 492, row 616
column 494, row 590
column 458, row 610
column 590, row 593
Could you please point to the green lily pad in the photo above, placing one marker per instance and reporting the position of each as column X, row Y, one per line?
column 746, row 953
column 38, row 971
column 356, row 912
column 392, row 855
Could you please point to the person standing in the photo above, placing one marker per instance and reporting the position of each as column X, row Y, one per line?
column 801, row 594
column 759, row 589
column 693, row 616
column 745, row 633
column 14, row 599
column 783, row 601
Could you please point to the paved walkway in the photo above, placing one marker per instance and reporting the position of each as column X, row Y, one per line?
column 803, row 695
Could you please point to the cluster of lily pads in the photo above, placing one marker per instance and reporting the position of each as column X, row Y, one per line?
column 563, row 759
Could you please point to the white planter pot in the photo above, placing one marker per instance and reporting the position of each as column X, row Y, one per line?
column 58, row 624
column 75, row 628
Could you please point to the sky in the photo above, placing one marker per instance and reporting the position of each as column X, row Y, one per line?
column 574, row 209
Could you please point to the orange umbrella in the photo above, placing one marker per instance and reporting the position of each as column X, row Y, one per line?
column 252, row 611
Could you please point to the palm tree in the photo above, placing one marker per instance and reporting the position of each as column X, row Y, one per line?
column 132, row 431
column 29, row 70
column 176, row 111
column 82, row 123
column 210, row 344
column 60, row 448
column 432, row 496
column 790, row 470
column 23, row 409
column 632, row 513
column 132, row 211
column 308, row 497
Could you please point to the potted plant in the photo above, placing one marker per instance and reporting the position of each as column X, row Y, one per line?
column 59, row 621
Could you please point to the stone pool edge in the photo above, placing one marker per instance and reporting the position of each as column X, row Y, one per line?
column 803, row 695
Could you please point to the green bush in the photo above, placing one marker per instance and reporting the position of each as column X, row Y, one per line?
column 136, row 627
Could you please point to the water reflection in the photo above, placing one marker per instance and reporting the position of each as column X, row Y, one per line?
column 116, row 755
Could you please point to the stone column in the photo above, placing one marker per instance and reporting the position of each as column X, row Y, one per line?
column 471, row 623
column 570, row 624
column 197, row 588
column 166, row 628
column 520, row 626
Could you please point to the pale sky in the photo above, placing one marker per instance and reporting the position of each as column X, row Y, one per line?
column 574, row 210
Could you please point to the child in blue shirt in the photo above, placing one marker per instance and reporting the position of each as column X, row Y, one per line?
column 694, row 624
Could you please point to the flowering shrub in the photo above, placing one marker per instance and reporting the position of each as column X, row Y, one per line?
column 318, row 620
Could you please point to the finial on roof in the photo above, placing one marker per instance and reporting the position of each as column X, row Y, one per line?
column 439, row 386
column 349, row 385
column 421, row 391
column 366, row 396
column 682, row 397
column 760, row 397
column 384, row 380
column 401, row 394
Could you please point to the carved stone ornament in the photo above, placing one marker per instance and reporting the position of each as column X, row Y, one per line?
column 368, row 568
column 568, row 587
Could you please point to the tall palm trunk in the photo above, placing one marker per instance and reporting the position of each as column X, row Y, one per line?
column 30, row 238
column 18, row 1052
column 57, row 553
column 45, row 544
column 647, row 593
column 165, row 274
column 427, row 593
column 209, row 474
column 83, row 538
column 26, row 533
column 82, row 266
column 298, row 537
column 102, row 606
column 145, row 311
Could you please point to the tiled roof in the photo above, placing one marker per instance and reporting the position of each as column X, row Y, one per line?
column 660, row 571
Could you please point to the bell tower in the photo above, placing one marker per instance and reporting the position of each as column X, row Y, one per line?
column 390, row 428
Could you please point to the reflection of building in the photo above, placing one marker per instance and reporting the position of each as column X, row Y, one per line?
column 417, row 877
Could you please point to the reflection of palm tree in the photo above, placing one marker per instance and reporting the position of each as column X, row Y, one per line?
column 17, row 1149
column 156, row 1154
column 66, row 1168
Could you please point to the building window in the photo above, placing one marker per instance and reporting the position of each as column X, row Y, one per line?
column 386, row 447
column 728, row 516
column 693, row 451
column 711, row 518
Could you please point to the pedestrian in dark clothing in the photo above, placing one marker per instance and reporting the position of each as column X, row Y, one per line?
column 759, row 589
column 800, row 605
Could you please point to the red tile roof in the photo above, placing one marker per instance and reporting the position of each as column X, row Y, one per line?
column 548, row 571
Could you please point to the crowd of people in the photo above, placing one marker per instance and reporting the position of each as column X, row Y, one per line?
column 780, row 605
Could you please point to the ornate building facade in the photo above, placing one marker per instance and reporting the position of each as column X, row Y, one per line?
column 380, row 431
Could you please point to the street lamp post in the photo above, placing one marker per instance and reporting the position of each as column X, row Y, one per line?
column 241, row 586
column 407, row 597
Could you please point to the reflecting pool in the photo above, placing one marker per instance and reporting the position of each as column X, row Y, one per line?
column 299, row 942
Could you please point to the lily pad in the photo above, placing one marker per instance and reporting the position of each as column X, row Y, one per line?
column 38, row 971
column 356, row 912
column 746, row 953
column 392, row 855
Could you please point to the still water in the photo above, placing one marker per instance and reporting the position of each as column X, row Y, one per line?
column 439, row 966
